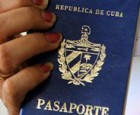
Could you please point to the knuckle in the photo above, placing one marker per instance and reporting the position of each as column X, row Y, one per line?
column 3, row 54
column 32, row 15
column 32, row 81
column 40, row 44
column 8, row 91
column 3, row 22
column 32, row 73
column 8, row 88
column 19, row 3
column 27, row 73
column 5, row 63
column 32, row 12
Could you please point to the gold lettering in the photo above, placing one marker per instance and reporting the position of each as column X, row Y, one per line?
column 90, row 11
column 75, row 9
column 105, row 111
column 66, row 7
column 97, row 109
column 40, row 103
column 121, row 15
column 87, row 10
column 79, row 9
column 64, row 108
column 48, row 106
column 70, row 8
column 83, row 10
column 89, row 109
column 108, row 13
column 102, row 12
column 57, row 7
column 56, row 106
column 99, row 12
column 82, row 108
column 117, row 14
column 114, row 14
column 73, row 106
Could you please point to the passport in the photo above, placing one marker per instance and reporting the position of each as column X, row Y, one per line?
column 92, row 64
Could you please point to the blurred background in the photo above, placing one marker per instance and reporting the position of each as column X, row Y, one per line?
column 133, row 97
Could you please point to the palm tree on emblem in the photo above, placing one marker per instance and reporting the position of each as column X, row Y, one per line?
column 87, row 57
column 86, row 66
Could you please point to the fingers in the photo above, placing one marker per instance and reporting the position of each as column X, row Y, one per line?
column 15, row 86
column 24, row 19
column 7, row 5
column 14, row 52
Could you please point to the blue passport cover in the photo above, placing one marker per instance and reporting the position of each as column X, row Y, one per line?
column 91, row 67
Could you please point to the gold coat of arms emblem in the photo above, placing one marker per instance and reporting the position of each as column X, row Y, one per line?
column 81, row 60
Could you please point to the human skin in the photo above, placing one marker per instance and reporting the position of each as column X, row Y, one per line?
column 17, row 16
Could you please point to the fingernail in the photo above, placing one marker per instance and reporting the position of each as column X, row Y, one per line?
column 47, row 16
column 54, row 37
column 42, row 4
column 46, row 67
column 38, row 2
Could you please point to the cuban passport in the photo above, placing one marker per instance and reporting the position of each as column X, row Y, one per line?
column 92, row 64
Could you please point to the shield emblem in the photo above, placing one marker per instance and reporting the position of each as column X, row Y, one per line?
column 81, row 60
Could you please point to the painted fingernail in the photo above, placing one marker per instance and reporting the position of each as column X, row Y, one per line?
column 42, row 4
column 54, row 37
column 47, row 16
column 46, row 67
column 38, row 2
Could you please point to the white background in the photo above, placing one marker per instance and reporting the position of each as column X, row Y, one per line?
column 133, row 99
column 137, row 43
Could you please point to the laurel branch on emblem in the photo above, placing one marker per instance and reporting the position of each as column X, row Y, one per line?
column 66, row 75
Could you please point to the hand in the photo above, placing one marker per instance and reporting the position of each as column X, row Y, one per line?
column 15, row 17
